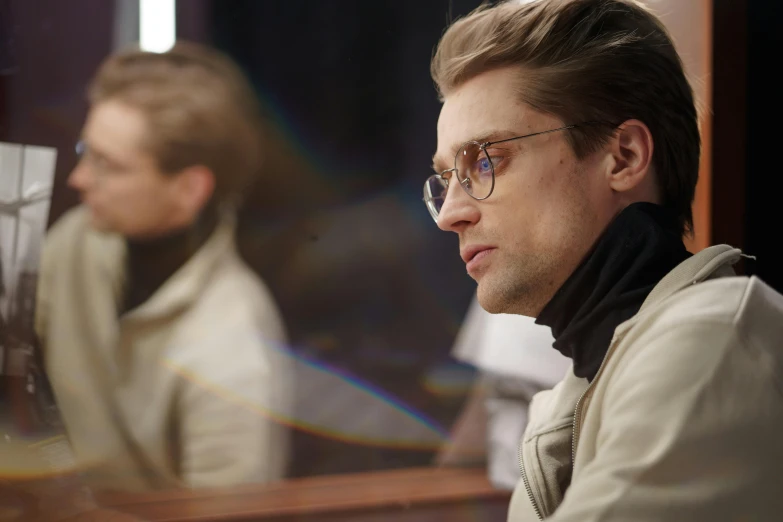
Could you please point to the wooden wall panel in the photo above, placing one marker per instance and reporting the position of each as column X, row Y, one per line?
column 690, row 24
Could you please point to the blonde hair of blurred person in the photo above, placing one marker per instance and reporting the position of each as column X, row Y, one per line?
column 161, row 344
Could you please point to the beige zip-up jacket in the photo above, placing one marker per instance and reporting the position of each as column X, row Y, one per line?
column 190, row 389
column 684, row 421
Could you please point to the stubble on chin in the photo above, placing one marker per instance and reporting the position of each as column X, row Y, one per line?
column 524, row 289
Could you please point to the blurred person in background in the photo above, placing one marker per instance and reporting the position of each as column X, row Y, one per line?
column 567, row 161
column 515, row 360
column 162, row 347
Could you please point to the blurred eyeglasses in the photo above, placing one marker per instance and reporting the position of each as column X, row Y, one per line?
column 101, row 166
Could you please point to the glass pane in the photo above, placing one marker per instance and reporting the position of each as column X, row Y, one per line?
column 370, row 292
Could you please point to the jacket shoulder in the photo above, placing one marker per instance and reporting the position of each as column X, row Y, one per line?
column 713, row 300
column 235, row 309
column 729, row 323
column 72, row 221
column 759, row 318
column 67, row 233
column 750, row 307
column 250, row 298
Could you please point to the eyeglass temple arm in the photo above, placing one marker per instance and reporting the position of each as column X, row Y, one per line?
column 487, row 144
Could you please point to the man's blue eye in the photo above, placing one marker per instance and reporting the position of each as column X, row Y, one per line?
column 484, row 167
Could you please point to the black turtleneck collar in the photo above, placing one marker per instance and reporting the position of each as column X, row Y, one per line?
column 638, row 248
column 151, row 262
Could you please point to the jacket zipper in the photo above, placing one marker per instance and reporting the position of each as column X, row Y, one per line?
column 526, row 482
column 574, row 427
column 574, row 433
column 578, row 408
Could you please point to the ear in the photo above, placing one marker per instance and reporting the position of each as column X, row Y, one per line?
column 632, row 152
column 195, row 186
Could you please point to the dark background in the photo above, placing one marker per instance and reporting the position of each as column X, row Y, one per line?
column 746, row 209
column 337, row 228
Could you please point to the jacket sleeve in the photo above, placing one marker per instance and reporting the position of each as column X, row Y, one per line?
column 690, row 430
column 232, row 415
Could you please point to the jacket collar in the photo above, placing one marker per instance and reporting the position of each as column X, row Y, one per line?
column 186, row 284
column 715, row 261
column 712, row 262
column 184, row 287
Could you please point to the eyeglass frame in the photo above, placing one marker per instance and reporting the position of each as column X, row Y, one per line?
column 483, row 148
column 82, row 151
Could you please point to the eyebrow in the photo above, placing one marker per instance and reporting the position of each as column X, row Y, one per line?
column 101, row 153
column 482, row 137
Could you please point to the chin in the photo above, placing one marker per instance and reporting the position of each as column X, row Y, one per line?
column 501, row 299
column 492, row 301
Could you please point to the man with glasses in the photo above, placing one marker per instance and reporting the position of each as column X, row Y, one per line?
column 567, row 160
column 163, row 349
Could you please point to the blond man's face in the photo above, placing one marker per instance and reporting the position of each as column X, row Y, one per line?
column 119, row 181
column 546, row 210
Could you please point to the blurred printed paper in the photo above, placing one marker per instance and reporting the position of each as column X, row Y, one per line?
column 26, row 178
column 509, row 346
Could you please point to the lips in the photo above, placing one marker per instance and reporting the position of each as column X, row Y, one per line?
column 473, row 256
column 468, row 253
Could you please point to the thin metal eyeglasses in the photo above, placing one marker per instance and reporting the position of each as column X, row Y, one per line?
column 474, row 170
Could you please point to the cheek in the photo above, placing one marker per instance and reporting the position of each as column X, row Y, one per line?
column 560, row 204
column 126, row 194
column 149, row 190
column 132, row 201
column 554, row 174
column 550, row 188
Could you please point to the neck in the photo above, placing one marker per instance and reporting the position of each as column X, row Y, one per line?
column 635, row 252
column 151, row 262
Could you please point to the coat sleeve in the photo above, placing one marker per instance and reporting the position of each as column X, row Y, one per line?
column 690, row 430
column 233, row 415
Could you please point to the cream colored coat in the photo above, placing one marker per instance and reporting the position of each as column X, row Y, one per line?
column 684, row 421
column 185, row 390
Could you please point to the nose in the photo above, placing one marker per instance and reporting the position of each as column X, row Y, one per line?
column 459, row 210
column 81, row 177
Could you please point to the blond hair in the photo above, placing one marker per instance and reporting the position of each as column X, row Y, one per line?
column 587, row 60
column 200, row 110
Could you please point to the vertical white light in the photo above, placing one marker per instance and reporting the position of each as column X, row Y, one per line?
column 157, row 25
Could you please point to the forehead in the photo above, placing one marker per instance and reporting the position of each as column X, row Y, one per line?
column 484, row 105
column 115, row 128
